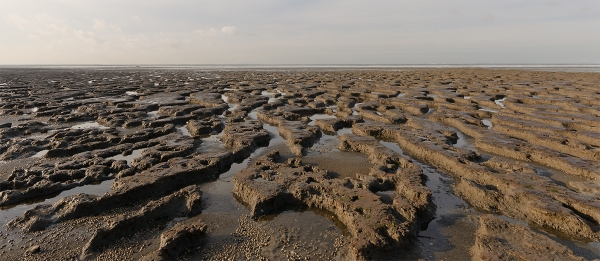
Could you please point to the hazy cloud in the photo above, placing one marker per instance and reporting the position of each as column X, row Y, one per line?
column 269, row 31
column 228, row 30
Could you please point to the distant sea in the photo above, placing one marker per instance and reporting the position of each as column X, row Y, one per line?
column 536, row 67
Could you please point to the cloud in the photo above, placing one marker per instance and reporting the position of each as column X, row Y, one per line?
column 225, row 30
column 269, row 31
column 88, row 37
column 230, row 30
column 99, row 25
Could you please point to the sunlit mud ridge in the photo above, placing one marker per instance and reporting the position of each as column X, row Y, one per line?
column 157, row 164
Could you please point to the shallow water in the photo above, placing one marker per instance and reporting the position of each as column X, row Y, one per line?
column 464, row 141
column 11, row 212
column 315, row 117
column 152, row 114
column 499, row 102
column 184, row 131
column 40, row 154
column 129, row 158
column 88, row 125
column 343, row 131
column 486, row 109
column 487, row 123
column 438, row 241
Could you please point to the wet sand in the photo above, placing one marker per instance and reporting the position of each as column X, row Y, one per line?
column 340, row 164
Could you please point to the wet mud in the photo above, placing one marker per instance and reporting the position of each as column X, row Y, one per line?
column 424, row 164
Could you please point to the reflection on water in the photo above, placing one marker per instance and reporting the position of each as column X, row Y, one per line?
column 305, row 218
column 486, row 109
column 435, row 240
column 343, row 131
column 152, row 114
column 499, row 102
column 11, row 212
column 184, row 131
column 487, row 123
column 319, row 116
column 40, row 154
column 134, row 154
column 88, row 125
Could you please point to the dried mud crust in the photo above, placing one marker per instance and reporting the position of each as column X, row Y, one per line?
column 522, row 145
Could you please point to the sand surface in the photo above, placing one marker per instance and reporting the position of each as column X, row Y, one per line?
column 299, row 164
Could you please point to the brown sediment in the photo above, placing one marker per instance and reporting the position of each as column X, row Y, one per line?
column 498, row 239
column 360, row 151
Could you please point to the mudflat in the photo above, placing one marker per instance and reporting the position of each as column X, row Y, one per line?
column 299, row 164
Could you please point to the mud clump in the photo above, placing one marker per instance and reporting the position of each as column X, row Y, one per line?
column 375, row 225
column 185, row 202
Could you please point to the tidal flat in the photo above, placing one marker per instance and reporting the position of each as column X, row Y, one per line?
column 299, row 164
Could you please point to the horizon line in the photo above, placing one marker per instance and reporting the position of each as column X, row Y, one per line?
column 310, row 65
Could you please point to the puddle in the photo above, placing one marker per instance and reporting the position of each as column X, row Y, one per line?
column 558, row 177
column 184, row 131
column 464, row 141
column 232, row 106
column 343, row 131
column 212, row 143
column 89, row 125
column 275, row 137
column 467, row 97
column 499, row 102
column 340, row 164
column 224, row 98
column 134, row 154
column 387, row 197
column 41, row 136
column 319, row 116
column 152, row 114
column 487, row 109
column 487, row 123
column 11, row 212
column 280, row 92
column 304, row 216
column 440, row 240
column 267, row 94
column 40, row 154
column 392, row 146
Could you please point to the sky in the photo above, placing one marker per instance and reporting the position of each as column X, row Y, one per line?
column 299, row 32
